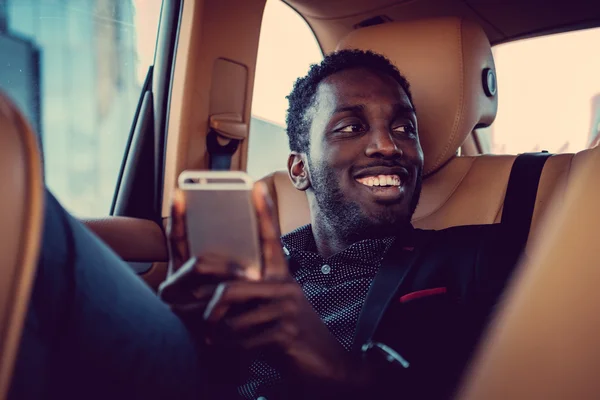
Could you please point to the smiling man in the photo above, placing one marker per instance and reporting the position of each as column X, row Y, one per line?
column 355, row 149
column 362, row 304
column 358, row 304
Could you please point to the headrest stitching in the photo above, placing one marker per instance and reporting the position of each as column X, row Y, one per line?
column 459, row 112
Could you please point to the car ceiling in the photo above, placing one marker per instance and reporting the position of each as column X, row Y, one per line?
column 503, row 20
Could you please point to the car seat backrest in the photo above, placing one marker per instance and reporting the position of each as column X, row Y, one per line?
column 545, row 340
column 21, row 217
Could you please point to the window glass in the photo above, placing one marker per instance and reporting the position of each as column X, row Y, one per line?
column 549, row 94
column 286, row 49
column 76, row 68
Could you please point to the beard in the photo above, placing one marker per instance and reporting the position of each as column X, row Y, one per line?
column 347, row 217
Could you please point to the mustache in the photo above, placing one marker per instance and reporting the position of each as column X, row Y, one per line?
column 398, row 165
column 383, row 163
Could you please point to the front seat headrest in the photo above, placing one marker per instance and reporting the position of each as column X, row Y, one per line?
column 22, row 217
column 449, row 64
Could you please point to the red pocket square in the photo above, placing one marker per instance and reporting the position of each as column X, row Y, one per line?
column 422, row 293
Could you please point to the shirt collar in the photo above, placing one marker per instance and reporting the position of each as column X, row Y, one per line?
column 302, row 240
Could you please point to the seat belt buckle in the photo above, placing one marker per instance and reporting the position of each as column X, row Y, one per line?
column 379, row 352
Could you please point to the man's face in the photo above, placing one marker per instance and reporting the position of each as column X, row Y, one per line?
column 365, row 160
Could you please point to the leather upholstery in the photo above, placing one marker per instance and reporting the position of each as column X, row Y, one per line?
column 21, row 214
column 136, row 240
column 443, row 59
column 545, row 342
column 291, row 204
column 133, row 239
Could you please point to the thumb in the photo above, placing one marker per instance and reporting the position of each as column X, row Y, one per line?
column 274, row 262
column 177, row 241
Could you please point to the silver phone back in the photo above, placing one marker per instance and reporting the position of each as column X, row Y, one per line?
column 220, row 215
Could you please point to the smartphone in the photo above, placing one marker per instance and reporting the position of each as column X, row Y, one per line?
column 220, row 216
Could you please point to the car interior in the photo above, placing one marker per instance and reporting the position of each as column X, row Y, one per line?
column 194, row 112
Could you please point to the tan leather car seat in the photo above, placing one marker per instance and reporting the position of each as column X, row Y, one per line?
column 444, row 59
column 545, row 342
column 21, row 217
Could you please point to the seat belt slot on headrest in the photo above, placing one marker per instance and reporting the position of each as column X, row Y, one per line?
column 521, row 193
column 225, row 133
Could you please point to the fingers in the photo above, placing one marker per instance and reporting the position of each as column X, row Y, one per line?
column 262, row 325
column 177, row 233
column 189, row 308
column 234, row 293
column 198, row 278
column 262, row 315
column 271, row 336
column 216, row 308
column 274, row 262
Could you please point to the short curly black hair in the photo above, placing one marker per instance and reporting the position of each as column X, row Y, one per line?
column 303, row 94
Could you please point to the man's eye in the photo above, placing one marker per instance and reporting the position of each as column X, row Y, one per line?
column 404, row 129
column 354, row 128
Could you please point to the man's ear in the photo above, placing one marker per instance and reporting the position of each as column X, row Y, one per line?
column 298, row 171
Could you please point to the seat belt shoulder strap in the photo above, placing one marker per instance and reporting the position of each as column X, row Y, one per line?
column 521, row 194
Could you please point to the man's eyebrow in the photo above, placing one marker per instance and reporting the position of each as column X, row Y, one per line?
column 402, row 108
column 399, row 108
column 352, row 108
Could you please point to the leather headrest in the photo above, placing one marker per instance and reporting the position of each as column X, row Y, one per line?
column 21, row 213
column 446, row 61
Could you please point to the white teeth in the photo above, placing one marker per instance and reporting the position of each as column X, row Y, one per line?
column 380, row 180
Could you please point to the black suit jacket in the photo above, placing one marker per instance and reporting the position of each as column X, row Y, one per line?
column 443, row 304
column 451, row 281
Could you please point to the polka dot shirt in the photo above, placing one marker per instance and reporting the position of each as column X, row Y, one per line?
column 336, row 287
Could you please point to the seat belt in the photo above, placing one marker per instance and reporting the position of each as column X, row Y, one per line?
column 395, row 266
column 521, row 193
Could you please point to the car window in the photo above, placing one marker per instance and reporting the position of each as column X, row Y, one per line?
column 76, row 69
column 287, row 47
column 549, row 94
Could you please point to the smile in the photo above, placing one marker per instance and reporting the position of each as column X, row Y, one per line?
column 380, row 180
column 383, row 189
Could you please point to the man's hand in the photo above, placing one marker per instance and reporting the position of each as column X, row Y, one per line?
column 241, row 317
column 273, row 315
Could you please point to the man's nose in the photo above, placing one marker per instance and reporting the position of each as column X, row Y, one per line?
column 382, row 144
